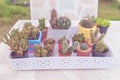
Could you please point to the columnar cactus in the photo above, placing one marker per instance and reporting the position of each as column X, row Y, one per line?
column 66, row 48
column 100, row 47
column 42, row 24
column 94, row 36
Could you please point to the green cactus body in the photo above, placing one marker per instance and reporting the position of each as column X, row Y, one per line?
column 42, row 24
column 79, row 37
column 87, row 23
column 63, row 23
column 83, row 46
column 100, row 47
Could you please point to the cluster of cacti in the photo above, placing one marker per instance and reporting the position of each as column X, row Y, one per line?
column 18, row 41
column 87, row 23
column 66, row 48
column 100, row 47
column 32, row 32
column 83, row 46
column 42, row 51
column 94, row 36
column 59, row 23
column 49, row 41
column 79, row 37
column 42, row 24
column 27, row 24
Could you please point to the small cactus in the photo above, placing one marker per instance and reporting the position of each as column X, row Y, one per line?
column 63, row 22
column 100, row 47
column 83, row 46
column 27, row 24
column 66, row 48
column 79, row 37
column 42, row 51
column 42, row 24
column 94, row 35
column 87, row 23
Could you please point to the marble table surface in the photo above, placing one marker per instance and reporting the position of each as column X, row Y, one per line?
column 112, row 38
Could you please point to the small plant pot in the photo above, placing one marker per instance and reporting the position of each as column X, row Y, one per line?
column 86, row 31
column 99, row 54
column 64, row 54
column 44, row 33
column 103, row 29
column 32, row 42
column 83, row 52
column 14, row 55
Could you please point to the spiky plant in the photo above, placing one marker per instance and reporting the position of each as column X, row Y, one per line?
column 79, row 37
column 63, row 23
column 100, row 47
column 42, row 24
column 17, row 41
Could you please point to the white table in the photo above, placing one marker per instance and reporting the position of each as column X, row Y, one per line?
column 112, row 38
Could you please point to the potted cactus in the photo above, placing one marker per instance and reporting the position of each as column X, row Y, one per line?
column 60, row 41
column 18, row 43
column 85, row 25
column 34, row 36
column 59, row 23
column 45, row 51
column 100, row 49
column 103, row 25
column 66, row 50
column 78, row 37
column 49, row 41
column 43, row 28
column 83, row 50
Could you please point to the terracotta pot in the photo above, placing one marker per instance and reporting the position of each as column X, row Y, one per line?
column 83, row 52
column 60, row 44
column 14, row 55
column 66, row 54
column 44, row 33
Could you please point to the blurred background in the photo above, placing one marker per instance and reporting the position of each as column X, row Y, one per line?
column 13, row 10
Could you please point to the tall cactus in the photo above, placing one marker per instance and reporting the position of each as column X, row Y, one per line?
column 42, row 24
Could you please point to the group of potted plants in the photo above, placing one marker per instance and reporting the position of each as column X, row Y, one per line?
column 86, row 42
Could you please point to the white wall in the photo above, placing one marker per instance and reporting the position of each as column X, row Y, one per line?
column 74, row 9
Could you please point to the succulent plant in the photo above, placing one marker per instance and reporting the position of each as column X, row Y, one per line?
column 32, row 32
column 42, row 51
column 94, row 35
column 42, row 24
column 17, row 41
column 63, row 22
column 49, row 41
column 87, row 23
column 66, row 48
column 79, row 37
column 27, row 24
column 100, row 47
column 83, row 46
